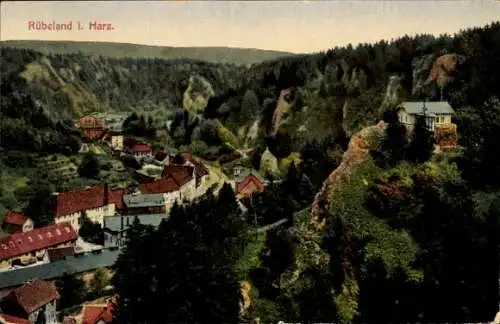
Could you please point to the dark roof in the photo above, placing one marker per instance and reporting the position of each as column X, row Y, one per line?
column 144, row 200
column 120, row 223
column 35, row 240
column 163, row 185
column 9, row 319
column 60, row 253
column 182, row 174
column 433, row 107
column 33, row 295
column 52, row 270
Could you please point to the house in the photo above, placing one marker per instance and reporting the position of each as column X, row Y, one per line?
column 9, row 319
column 89, row 122
column 30, row 247
column 98, row 313
column 115, row 228
column 146, row 203
column 248, row 182
column 31, row 300
column 169, row 188
column 95, row 203
column 15, row 222
column 141, row 150
column 116, row 140
column 178, row 181
column 437, row 113
column 187, row 159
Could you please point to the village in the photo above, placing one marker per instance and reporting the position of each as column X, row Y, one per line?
column 31, row 259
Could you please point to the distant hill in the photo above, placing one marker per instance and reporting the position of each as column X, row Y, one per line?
column 239, row 56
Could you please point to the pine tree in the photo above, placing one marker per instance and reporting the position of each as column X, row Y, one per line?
column 71, row 289
column 422, row 143
column 189, row 275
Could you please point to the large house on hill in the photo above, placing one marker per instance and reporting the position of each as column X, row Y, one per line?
column 30, row 247
column 95, row 203
column 437, row 113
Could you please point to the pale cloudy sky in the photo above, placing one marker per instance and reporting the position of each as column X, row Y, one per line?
column 294, row 26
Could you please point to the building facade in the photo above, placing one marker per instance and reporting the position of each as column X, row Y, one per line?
column 30, row 247
column 94, row 203
column 436, row 113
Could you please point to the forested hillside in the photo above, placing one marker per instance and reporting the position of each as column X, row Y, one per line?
column 381, row 228
column 237, row 56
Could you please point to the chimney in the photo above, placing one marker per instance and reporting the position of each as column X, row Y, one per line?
column 106, row 194
column 54, row 197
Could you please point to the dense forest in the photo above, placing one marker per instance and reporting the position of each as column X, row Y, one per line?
column 404, row 235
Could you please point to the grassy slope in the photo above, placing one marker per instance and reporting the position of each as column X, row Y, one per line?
column 240, row 56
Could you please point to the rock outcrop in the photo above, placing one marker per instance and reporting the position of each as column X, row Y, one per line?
column 443, row 67
column 357, row 151
column 197, row 94
column 281, row 109
column 246, row 301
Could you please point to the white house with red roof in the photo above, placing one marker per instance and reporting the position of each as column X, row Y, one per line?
column 15, row 222
column 30, row 247
column 141, row 150
column 32, row 300
column 95, row 202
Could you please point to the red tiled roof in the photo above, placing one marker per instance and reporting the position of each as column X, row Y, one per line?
column 182, row 174
column 94, row 133
column 163, row 185
column 35, row 240
column 249, row 185
column 9, row 319
column 33, row 295
column 94, row 313
column 74, row 201
column 15, row 219
column 79, row 200
column 141, row 148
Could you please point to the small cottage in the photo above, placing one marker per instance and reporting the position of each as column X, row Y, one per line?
column 15, row 222
column 436, row 113
column 141, row 150
column 247, row 182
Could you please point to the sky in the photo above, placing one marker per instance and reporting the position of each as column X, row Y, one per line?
column 300, row 26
